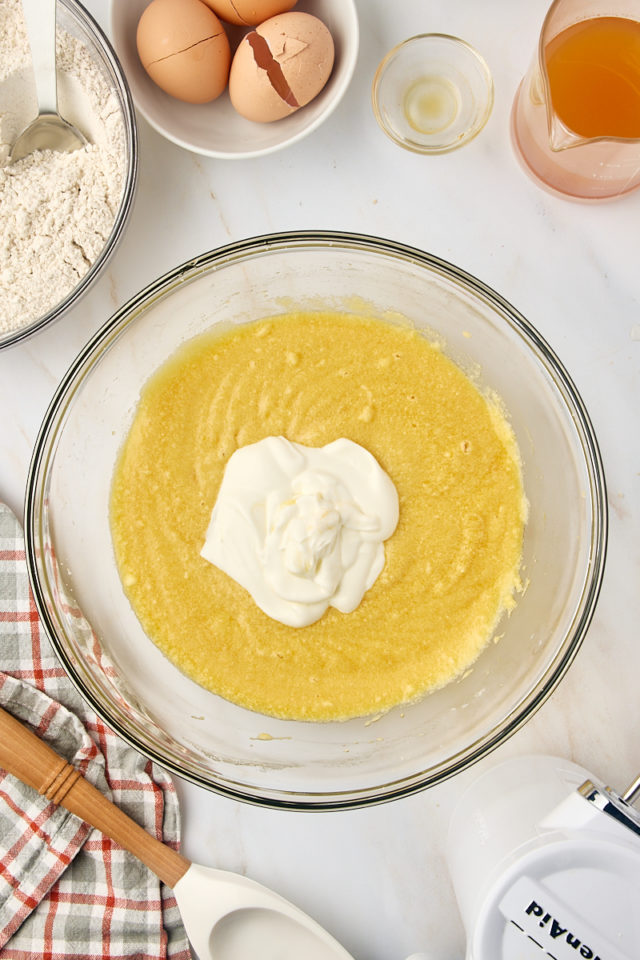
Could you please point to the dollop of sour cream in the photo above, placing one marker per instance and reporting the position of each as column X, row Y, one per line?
column 302, row 528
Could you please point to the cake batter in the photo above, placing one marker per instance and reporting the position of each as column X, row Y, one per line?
column 451, row 566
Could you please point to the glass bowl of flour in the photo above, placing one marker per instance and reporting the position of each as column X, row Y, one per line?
column 61, row 215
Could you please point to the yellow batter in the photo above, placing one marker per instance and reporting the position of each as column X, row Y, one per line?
column 451, row 565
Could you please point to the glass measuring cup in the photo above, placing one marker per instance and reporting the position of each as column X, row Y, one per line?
column 575, row 122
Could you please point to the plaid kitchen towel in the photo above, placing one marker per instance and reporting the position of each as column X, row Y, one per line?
column 66, row 891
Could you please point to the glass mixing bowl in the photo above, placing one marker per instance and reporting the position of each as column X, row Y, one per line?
column 232, row 750
column 78, row 23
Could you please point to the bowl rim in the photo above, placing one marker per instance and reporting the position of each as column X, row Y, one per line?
column 352, row 48
column 520, row 713
column 129, row 188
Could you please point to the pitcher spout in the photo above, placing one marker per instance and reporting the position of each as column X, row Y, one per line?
column 561, row 137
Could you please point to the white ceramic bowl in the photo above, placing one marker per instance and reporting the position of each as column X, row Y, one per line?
column 218, row 744
column 215, row 129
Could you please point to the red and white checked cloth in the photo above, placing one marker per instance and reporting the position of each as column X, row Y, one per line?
column 66, row 891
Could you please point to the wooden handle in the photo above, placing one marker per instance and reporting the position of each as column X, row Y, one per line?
column 31, row 760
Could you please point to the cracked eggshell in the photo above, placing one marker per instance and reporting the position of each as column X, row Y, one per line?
column 249, row 12
column 184, row 48
column 282, row 69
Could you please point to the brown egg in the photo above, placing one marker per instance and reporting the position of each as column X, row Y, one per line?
column 183, row 47
column 280, row 66
column 249, row 12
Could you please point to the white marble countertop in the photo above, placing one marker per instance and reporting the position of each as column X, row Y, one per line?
column 376, row 878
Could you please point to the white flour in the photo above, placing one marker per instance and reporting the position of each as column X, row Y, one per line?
column 56, row 210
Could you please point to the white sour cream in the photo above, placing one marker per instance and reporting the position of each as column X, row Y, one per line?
column 302, row 528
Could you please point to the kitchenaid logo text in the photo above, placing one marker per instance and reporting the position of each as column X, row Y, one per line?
column 559, row 933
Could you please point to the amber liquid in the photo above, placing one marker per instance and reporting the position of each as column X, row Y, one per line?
column 594, row 77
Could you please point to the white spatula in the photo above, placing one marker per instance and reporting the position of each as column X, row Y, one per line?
column 226, row 916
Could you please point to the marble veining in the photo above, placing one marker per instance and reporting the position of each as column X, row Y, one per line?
column 376, row 878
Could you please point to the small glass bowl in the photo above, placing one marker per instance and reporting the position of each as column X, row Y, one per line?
column 432, row 93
